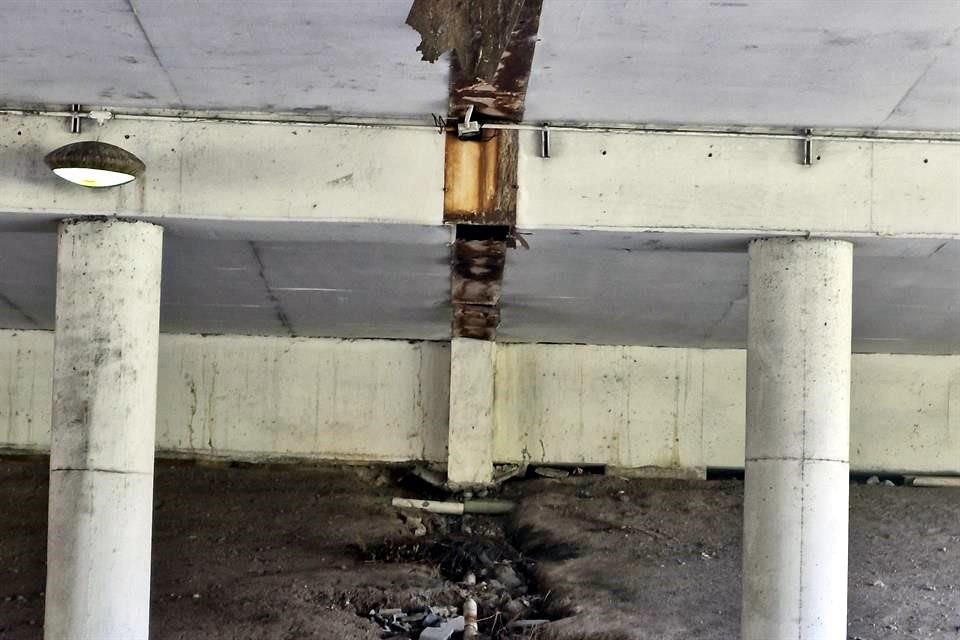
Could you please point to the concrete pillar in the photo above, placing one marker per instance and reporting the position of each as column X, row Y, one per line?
column 470, row 435
column 798, row 440
column 104, row 424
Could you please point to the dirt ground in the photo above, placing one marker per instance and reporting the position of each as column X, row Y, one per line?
column 286, row 552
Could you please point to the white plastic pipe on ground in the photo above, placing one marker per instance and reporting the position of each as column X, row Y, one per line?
column 104, row 422
column 798, row 433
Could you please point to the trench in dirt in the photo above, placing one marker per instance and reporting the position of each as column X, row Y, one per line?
column 494, row 564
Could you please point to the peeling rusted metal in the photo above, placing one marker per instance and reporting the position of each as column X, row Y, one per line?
column 502, row 96
column 475, row 321
column 477, row 271
column 480, row 179
column 476, row 31
column 478, row 257
column 492, row 44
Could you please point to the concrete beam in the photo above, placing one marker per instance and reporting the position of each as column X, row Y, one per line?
column 620, row 180
column 594, row 179
column 232, row 172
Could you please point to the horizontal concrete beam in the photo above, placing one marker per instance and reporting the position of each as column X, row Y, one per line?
column 594, row 179
column 233, row 172
column 620, row 180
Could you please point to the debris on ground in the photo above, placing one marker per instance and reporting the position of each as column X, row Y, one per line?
column 491, row 580
column 424, row 623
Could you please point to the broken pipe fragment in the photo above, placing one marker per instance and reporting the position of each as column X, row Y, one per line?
column 489, row 507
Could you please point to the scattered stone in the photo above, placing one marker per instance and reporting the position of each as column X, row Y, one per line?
column 872, row 480
column 878, row 583
column 506, row 576
column 445, row 631
column 889, row 483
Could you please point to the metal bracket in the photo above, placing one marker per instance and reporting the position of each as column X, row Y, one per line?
column 545, row 141
column 469, row 128
column 807, row 153
column 75, row 118
column 77, row 114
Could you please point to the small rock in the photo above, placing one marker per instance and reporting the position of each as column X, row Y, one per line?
column 470, row 579
column 445, row 631
column 505, row 574
column 514, row 608
column 873, row 480
column 889, row 483
column 878, row 583
column 196, row 596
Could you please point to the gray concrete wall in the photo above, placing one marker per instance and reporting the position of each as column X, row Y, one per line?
column 247, row 397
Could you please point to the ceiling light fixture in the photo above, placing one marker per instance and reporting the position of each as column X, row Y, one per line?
column 95, row 164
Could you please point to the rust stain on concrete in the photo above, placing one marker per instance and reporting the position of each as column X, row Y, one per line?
column 480, row 179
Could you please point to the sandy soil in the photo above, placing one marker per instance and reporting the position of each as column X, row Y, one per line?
column 306, row 552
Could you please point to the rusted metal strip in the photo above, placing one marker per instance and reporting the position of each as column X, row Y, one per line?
column 477, row 31
column 475, row 321
column 480, row 179
column 492, row 43
column 502, row 96
column 477, row 271
column 478, row 257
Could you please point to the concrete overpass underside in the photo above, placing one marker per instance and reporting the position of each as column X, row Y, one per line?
column 660, row 252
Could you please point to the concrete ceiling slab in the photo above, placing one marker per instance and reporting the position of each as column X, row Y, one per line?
column 339, row 282
column 878, row 63
column 392, row 281
column 893, row 64
column 330, row 57
column 679, row 289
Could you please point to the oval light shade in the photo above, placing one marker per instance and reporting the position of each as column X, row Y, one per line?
column 95, row 164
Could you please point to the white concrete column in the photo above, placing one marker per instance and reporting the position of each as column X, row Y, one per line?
column 470, row 435
column 104, row 424
column 798, row 440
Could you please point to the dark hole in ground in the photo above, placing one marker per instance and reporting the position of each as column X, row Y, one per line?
column 502, row 578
